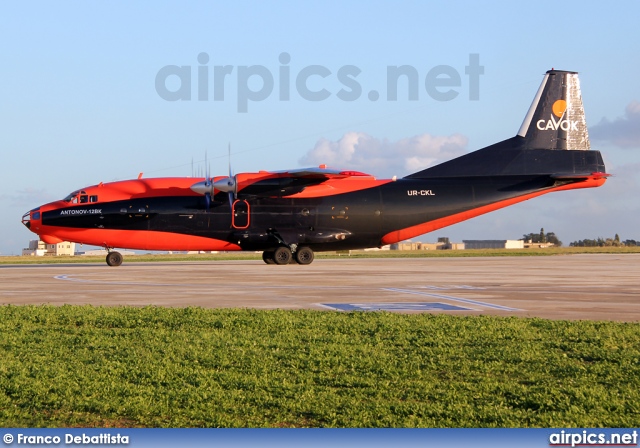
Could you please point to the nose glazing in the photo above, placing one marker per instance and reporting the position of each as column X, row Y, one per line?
column 30, row 216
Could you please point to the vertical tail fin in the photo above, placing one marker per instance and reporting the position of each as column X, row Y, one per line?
column 556, row 117
column 555, row 121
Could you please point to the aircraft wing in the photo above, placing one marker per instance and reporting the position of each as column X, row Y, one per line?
column 321, row 171
column 272, row 183
column 288, row 182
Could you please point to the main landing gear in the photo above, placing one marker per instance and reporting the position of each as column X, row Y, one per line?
column 283, row 255
column 114, row 258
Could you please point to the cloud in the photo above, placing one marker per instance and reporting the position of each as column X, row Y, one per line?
column 623, row 132
column 384, row 158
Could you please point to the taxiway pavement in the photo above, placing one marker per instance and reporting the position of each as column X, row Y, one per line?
column 590, row 286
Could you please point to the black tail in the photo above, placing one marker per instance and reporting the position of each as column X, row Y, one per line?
column 555, row 121
column 556, row 117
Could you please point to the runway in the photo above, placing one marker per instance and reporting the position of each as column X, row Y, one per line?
column 592, row 286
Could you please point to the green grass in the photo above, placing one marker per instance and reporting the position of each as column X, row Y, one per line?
column 333, row 255
column 192, row 367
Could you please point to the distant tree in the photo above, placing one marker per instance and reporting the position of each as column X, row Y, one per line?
column 541, row 237
column 603, row 242
column 553, row 239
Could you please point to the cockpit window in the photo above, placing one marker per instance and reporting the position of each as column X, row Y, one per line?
column 93, row 198
column 71, row 196
column 77, row 196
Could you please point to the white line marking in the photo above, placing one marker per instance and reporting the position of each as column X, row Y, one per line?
column 455, row 299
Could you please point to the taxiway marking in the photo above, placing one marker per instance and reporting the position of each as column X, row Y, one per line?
column 455, row 299
column 395, row 306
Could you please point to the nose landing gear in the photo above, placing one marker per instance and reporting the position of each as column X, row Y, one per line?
column 114, row 258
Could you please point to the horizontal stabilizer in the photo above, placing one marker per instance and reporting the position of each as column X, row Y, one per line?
column 577, row 176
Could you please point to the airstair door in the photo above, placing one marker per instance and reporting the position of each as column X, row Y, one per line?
column 240, row 216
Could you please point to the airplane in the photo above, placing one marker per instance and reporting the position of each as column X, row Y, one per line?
column 289, row 215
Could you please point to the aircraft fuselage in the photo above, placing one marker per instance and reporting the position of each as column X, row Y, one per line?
column 379, row 213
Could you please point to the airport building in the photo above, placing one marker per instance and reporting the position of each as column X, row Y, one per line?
column 442, row 244
column 530, row 245
column 38, row 248
column 101, row 252
column 427, row 246
column 493, row 244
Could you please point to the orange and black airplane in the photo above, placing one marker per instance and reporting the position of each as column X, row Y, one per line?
column 291, row 214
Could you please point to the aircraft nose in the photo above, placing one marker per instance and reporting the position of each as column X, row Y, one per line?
column 30, row 216
column 26, row 220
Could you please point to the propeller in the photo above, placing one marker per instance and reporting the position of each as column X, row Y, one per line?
column 227, row 185
column 207, row 184
column 207, row 197
column 205, row 187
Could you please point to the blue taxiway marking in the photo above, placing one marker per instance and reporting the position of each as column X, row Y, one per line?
column 455, row 299
column 397, row 306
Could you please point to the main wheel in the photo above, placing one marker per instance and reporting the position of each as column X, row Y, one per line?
column 282, row 255
column 304, row 255
column 114, row 258
column 267, row 257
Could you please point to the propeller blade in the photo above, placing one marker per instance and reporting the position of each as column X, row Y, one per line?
column 228, row 185
column 206, row 167
column 231, row 186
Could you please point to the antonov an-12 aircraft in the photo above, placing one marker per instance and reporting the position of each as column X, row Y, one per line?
column 291, row 214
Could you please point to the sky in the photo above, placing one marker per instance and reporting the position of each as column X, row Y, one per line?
column 99, row 91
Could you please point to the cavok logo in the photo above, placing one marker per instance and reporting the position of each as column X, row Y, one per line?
column 559, row 108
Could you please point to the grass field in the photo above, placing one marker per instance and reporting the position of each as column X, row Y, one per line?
column 192, row 367
column 320, row 255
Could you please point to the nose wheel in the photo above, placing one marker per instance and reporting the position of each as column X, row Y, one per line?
column 114, row 258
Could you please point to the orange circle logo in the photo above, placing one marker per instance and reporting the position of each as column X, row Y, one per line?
column 559, row 107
